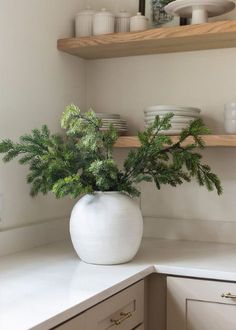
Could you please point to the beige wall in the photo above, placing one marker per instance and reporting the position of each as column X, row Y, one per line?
column 36, row 82
column 206, row 79
column 114, row 5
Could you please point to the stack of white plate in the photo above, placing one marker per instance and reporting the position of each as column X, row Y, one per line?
column 181, row 119
column 115, row 120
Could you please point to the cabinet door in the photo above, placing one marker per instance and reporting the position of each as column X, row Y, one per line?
column 200, row 305
column 77, row 323
column 123, row 311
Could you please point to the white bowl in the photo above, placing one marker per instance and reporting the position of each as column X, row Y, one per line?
column 107, row 115
column 188, row 113
column 113, row 120
column 181, row 120
column 170, row 108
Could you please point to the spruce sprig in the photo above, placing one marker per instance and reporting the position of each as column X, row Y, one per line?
column 81, row 161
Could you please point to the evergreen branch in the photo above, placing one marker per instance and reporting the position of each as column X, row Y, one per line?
column 81, row 162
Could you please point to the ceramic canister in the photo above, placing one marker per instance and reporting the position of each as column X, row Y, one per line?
column 138, row 22
column 230, row 118
column 122, row 21
column 84, row 23
column 103, row 22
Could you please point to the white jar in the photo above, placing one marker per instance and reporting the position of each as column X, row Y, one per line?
column 230, row 126
column 84, row 23
column 103, row 22
column 122, row 21
column 138, row 23
column 230, row 118
column 230, row 110
column 106, row 228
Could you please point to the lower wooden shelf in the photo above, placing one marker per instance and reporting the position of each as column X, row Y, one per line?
column 210, row 141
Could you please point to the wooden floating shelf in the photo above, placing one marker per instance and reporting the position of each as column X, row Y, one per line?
column 214, row 35
column 210, row 141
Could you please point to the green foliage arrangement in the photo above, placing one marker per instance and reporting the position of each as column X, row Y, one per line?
column 81, row 161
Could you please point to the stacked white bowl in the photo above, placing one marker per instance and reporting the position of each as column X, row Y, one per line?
column 115, row 120
column 181, row 119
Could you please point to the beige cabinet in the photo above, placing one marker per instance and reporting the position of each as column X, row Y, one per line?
column 77, row 323
column 200, row 304
column 123, row 311
column 140, row 327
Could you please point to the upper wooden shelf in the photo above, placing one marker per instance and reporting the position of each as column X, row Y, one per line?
column 160, row 40
column 210, row 141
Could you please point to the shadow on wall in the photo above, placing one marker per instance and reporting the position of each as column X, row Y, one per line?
column 190, row 201
column 190, row 211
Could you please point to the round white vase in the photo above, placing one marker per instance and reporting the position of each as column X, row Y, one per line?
column 106, row 228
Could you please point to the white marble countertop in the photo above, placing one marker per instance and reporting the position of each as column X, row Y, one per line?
column 45, row 286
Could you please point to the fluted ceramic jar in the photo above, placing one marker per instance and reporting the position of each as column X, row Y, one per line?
column 122, row 21
column 103, row 22
column 106, row 228
column 138, row 22
column 230, row 118
column 84, row 23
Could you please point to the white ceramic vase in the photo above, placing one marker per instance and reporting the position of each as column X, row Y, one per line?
column 106, row 228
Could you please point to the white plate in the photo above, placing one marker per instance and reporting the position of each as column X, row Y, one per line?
column 174, row 129
column 115, row 125
column 107, row 115
column 164, row 112
column 171, row 132
column 113, row 120
column 118, row 130
column 173, row 120
column 175, row 112
column 120, row 133
column 176, row 126
column 170, row 107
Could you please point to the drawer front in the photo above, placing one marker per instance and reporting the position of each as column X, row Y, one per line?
column 140, row 327
column 123, row 311
column 77, row 323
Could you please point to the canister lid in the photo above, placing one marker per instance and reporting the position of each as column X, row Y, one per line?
column 104, row 12
column 87, row 11
column 139, row 16
column 123, row 13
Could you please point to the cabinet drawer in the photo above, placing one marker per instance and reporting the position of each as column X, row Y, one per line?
column 123, row 311
column 77, row 323
column 140, row 327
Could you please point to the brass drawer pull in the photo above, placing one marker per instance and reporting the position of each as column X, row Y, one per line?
column 123, row 317
column 228, row 295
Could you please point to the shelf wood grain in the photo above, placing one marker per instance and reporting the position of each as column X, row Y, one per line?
column 210, row 141
column 213, row 35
